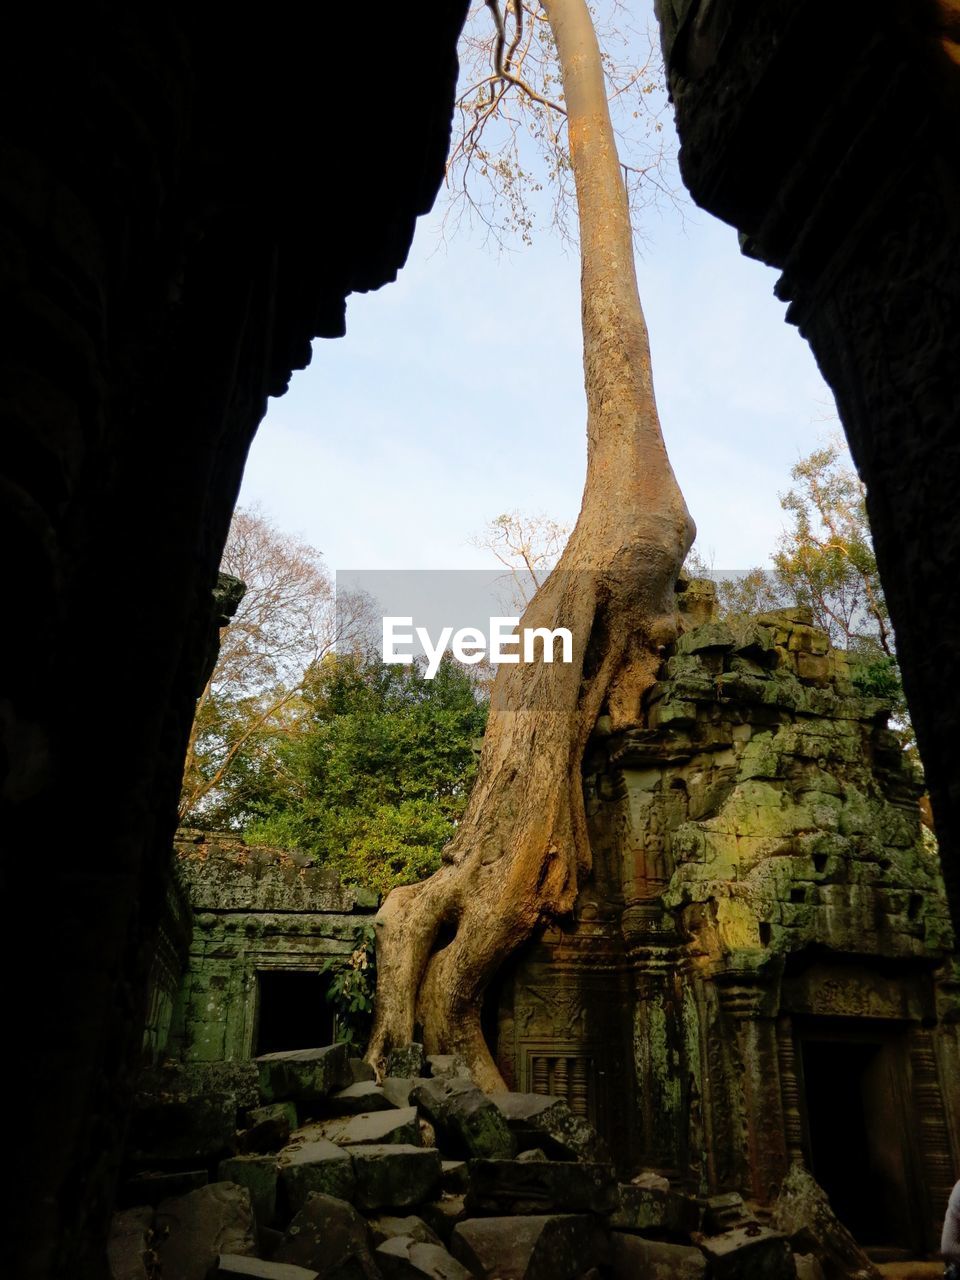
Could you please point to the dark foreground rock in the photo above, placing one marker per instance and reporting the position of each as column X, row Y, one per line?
column 316, row 1167
column 538, row 1120
column 130, row 1254
column 236, row 1267
column 556, row 1247
column 539, row 1186
column 304, row 1075
column 804, row 1215
column 403, row 1258
column 193, row 1230
column 466, row 1121
column 329, row 1237
column 749, row 1253
column 632, row 1257
column 394, row 1177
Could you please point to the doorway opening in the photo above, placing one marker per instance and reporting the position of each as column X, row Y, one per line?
column 292, row 1011
column 856, row 1132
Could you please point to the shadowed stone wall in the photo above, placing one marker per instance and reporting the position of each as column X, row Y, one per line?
column 187, row 196
column 827, row 135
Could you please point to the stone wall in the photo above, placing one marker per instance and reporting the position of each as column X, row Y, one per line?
column 255, row 911
column 826, row 134
column 186, row 200
column 761, row 884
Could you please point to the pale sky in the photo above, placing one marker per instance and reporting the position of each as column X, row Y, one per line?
column 457, row 394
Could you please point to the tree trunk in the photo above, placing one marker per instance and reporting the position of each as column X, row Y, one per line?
column 521, row 849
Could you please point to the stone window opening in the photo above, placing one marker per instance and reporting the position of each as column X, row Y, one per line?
column 292, row 1010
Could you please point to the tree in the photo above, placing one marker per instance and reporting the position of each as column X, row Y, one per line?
column 521, row 851
column 529, row 546
column 285, row 623
column 377, row 774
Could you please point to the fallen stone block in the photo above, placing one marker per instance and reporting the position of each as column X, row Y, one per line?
column 534, row 1154
column 723, row 1212
column 236, row 1267
column 130, row 1254
column 303, row 1075
column 467, row 1122
column 538, row 1120
column 364, row 1096
column 397, row 1089
column 447, row 1066
column 553, row 1247
column 648, row 1207
column 539, row 1187
column 269, row 1133
column 403, row 1258
column 361, row 1070
column 751, row 1252
column 193, row 1230
column 319, row 1166
column 804, row 1215
column 632, row 1257
column 397, row 1125
column 808, row 1267
column 406, row 1061
column 329, row 1237
column 386, row 1226
column 260, row 1175
column 443, row 1214
column 274, row 1111
column 394, row 1176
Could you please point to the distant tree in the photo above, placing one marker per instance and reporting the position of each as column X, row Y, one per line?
column 377, row 775
column 285, row 623
column 528, row 546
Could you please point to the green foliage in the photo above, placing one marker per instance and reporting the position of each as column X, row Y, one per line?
column 378, row 770
column 353, row 987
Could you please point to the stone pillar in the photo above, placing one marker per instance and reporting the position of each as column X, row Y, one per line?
column 763, row 1154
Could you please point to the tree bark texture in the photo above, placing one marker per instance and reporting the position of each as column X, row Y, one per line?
column 521, row 850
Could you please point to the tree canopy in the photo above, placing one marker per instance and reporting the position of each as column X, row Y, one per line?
column 376, row 774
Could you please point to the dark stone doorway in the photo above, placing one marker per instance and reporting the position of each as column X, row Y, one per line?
column 292, row 1011
column 857, row 1136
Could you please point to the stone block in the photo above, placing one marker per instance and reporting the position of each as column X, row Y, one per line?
column 361, row 1070
column 803, row 1213
column 232, row 1266
column 397, row 1089
column 447, row 1066
column 319, row 1166
column 408, row 1060
column 633, row 1257
column 751, row 1252
column 551, row 1247
column 193, row 1230
column 394, row 1176
column 365, row 1095
column 653, row 1208
column 329, row 1237
column 259, row 1174
column 273, row 1111
column 398, row 1124
column 467, row 1122
column 130, row 1254
column 808, row 1267
column 443, row 1214
column 386, row 1226
column 303, row 1075
column 538, row 1120
column 264, row 1136
column 538, row 1187
column 403, row 1258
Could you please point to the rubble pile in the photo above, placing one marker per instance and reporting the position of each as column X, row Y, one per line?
column 333, row 1175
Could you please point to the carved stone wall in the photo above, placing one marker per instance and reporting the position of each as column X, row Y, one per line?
column 762, row 887
column 826, row 134
column 255, row 912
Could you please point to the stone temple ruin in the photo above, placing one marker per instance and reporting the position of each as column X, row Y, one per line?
column 758, row 982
